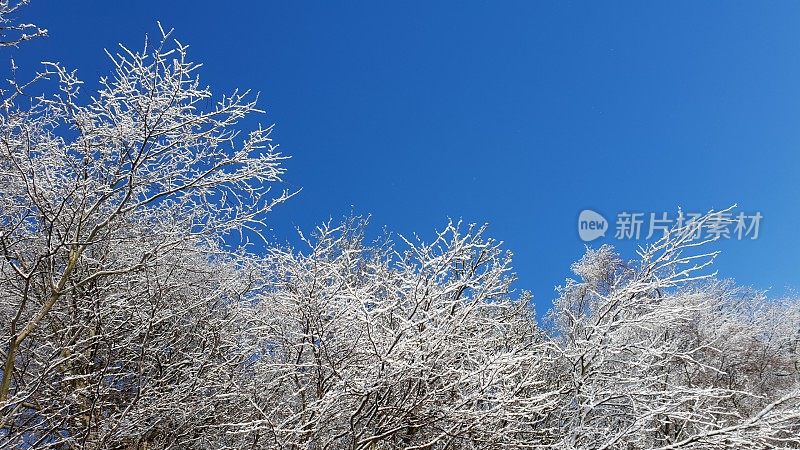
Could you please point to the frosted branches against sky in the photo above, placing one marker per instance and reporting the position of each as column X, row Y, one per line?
column 131, row 319
column 13, row 32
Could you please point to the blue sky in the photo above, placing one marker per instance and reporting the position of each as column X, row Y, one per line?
column 520, row 114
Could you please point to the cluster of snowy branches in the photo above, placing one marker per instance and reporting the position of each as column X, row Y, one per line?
column 129, row 320
column 12, row 31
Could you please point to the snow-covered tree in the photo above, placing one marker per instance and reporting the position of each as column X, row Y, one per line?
column 114, row 278
column 372, row 346
column 658, row 355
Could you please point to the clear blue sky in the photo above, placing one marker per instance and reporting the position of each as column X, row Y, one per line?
column 519, row 114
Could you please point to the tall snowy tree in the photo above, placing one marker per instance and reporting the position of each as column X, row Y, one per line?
column 114, row 280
